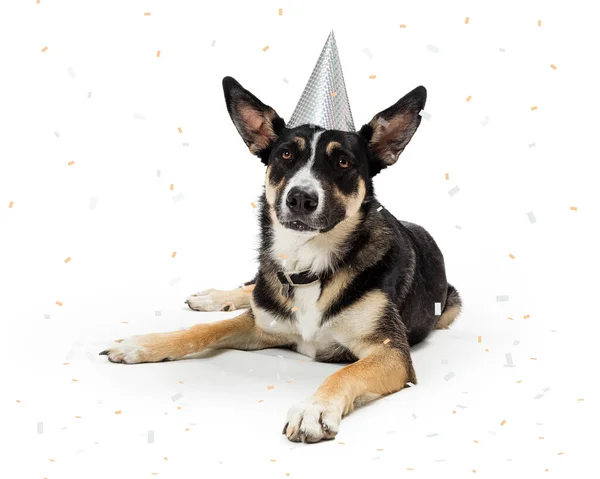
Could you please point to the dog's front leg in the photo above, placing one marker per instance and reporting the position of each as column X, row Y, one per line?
column 383, row 370
column 238, row 333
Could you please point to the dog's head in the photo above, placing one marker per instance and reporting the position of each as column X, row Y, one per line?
column 317, row 178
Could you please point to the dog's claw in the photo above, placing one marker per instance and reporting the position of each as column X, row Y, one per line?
column 285, row 428
column 104, row 353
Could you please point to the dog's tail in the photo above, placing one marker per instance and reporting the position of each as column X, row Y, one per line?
column 451, row 310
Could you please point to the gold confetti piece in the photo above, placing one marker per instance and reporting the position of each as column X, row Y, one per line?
column 333, row 93
column 51, row 460
column 65, row 364
column 519, row 381
column 487, row 350
column 157, row 53
column 540, row 437
column 280, row 11
column 478, row 339
column 466, row 20
column 469, row 98
column 387, row 340
column 18, row 401
column 453, row 412
column 174, row 254
column 560, row 453
column 511, row 256
column 74, row 380
column 77, row 417
column 474, row 470
column 155, row 473
column 180, row 130
column 526, row 316
column 409, row 469
column 379, row 449
column 581, row 400
column 546, row 470
column 475, row 441
column 282, row 255
column 71, row 163
column 539, row 23
column 402, row 25
column 187, row 429
column 261, row 400
column 67, row 259
column 342, row 443
column 253, row 204
column 533, row 108
column 503, row 423
column 447, row 176
column 372, row 77
column 270, row 387
column 294, row 309
column 272, row 460
column 118, row 412
column 118, row 340
column 147, row 14
column 533, row 359
column 178, row 407
column 553, row 66
column 265, row 48
column 37, row 1
column 166, row 458
column 287, row 474
column 125, row 322
column 44, row 49
column 573, row 208
column 180, row 382
column 172, row 187
column 10, row 205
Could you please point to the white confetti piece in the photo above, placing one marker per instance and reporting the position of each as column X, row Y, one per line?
column 139, row 116
column 383, row 122
column 92, row 205
column 485, row 121
column 71, row 73
column 458, row 227
column 546, row 389
column 177, row 197
column 380, row 208
column 176, row 397
column 46, row 316
column 439, row 460
column 186, row 144
column 437, row 309
column 56, row 133
column 433, row 48
column 531, row 145
column 391, row 432
column 531, row 217
column 453, row 191
column 410, row 384
column 502, row 298
column 433, row 434
column 491, row 433
column 414, row 415
column 461, row 406
column 444, row 361
column 449, row 376
column 516, row 343
column 40, row 428
column 272, row 323
column 509, row 361
column 425, row 115
column 157, row 313
column 89, row 95
column 502, row 50
column 285, row 80
column 151, row 436
column 368, row 52
column 174, row 281
column 539, row 396
column 214, row 42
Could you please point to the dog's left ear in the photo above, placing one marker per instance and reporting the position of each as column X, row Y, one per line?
column 258, row 124
column 390, row 131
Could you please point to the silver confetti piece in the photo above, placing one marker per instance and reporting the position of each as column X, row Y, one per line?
column 214, row 42
column 92, row 203
column 531, row 217
column 509, row 361
column 438, row 309
column 139, row 116
column 46, row 316
column 461, row 406
column 516, row 343
column 425, row 115
column 502, row 50
column 174, row 281
column 151, row 437
column 176, row 397
column 324, row 101
column 71, row 73
column 485, row 121
column 453, row 191
column 531, row 145
column 40, row 427
column 285, row 80
column 157, row 313
column 433, row 434
column 449, row 376
column 502, row 298
column 158, row 173
column 458, row 227
column 89, row 95
column 414, row 415
column 433, row 48
column 186, row 144
column 368, row 52
column 56, row 133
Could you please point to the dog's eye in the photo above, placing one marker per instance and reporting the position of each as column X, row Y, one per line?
column 344, row 163
column 286, row 155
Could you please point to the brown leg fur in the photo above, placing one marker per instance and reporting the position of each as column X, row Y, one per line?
column 216, row 300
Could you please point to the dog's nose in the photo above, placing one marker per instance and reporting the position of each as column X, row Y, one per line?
column 302, row 201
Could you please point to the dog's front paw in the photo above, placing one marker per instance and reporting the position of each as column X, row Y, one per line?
column 312, row 421
column 148, row 348
column 211, row 300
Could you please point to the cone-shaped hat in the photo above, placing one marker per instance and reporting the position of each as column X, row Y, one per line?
column 324, row 101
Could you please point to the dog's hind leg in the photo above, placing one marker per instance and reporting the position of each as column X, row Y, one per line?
column 217, row 300
column 240, row 332
column 451, row 310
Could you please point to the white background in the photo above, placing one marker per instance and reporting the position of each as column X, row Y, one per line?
column 117, row 108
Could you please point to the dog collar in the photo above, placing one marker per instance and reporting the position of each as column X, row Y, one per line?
column 302, row 278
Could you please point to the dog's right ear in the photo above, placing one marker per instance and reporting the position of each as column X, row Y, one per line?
column 258, row 124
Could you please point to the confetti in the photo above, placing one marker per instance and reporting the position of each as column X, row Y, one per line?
column 410, row 384
column 466, row 20
column 511, row 256
column 253, row 204
column 447, row 176
column 265, row 48
column 71, row 163
column 368, row 52
column 425, row 115
column 44, row 49
column 534, row 108
column 372, row 77
column 10, row 205
column 71, row 73
column 475, row 441
column 92, row 205
column 526, row 316
column 539, row 23
column 59, row 303
column 158, row 173
column 147, row 14
column 380, row 208
column 458, row 227
column 261, row 400
column 453, row 191
column 469, row 98
column 503, row 423
column 501, row 298
column 402, row 25
column 213, row 43
column 40, row 427
column 272, row 323
column 532, row 145
column 89, row 95
column 433, row 434
column 461, row 406
column 174, row 281
column 186, row 144
column 272, row 460
column 478, row 339
column 531, row 217
column 118, row 412
column 172, row 187
column 333, row 93
column 437, row 307
column 176, row 397
column 280, row 11
column 150, row 437
column 139, row 116
column 502, row 50
column 270, row 387
column 294, row 309
column 553, row 66
column 560, row 453
column 449, row 376
column 573, row 208
column 509, row 361
column 46, row 316
column 174, row 254
column 56, row 133
column 386, row 341
column 67, row 259
column 157, row 313
column 485, row 121
column 414, row 415
column 433, row 48
column 180, row 130
column 157, row 53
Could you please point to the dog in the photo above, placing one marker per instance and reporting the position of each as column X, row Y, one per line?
column 340, row 279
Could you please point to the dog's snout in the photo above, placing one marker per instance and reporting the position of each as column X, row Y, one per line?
column 302, row 201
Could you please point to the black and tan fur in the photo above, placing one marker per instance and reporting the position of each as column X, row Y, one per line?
column 379, row 278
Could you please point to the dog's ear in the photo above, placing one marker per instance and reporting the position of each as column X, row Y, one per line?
column 389, row 132
column 258, row 124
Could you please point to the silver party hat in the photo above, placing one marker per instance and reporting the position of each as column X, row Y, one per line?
column 324, row 101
